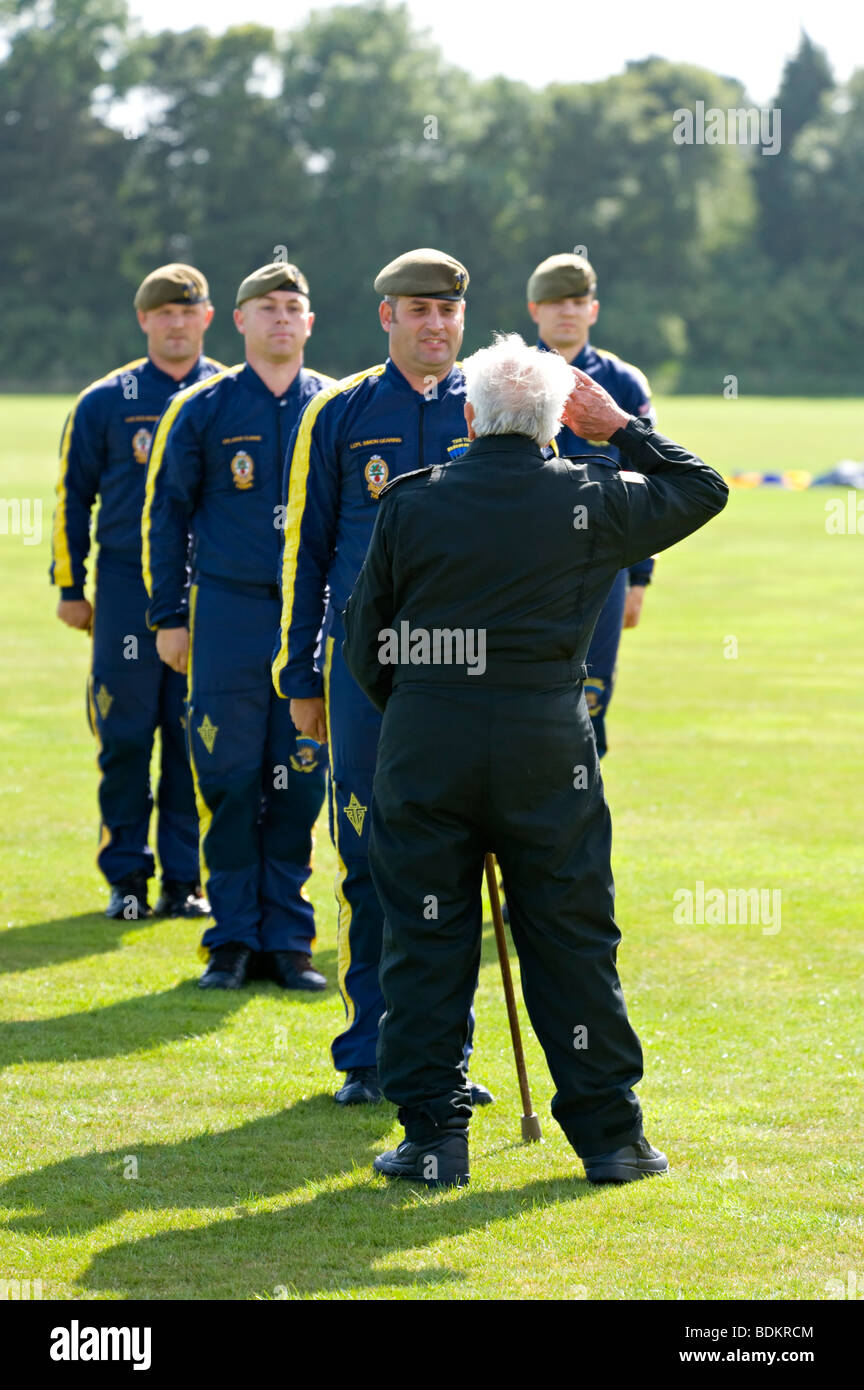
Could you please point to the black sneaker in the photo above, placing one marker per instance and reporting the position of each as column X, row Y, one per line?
column 291, row 970
column 634, row 1161
column 181, row 900
column 438, row 1162
column 227, row 966
column 480, row 1094
column 129, row 898
column 360, row 1087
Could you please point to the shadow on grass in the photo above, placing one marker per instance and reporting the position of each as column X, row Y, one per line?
column 92, row 934
column 320, row 1247
column 133, row 1024
column 64, row 939
column 306, row 1143
column 322, row 1244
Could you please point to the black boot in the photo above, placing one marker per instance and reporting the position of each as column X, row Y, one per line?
column 181, row 900
column 634, row 1161
column 291, row 970
column 129, row 898
column 360, row 1087
column 227, row 966
column 430, row 1155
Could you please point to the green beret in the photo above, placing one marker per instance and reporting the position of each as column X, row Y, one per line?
column 561, row 277
column 172, row 284
column 278, row 275
column 423, row 274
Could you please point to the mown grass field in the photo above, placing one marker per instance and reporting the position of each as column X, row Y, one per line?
column 737, row 771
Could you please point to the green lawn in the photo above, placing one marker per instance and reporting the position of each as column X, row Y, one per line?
column 736, row 771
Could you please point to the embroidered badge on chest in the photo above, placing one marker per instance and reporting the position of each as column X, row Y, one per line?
column 242, row 470
column 141, row 441
column 376, row 474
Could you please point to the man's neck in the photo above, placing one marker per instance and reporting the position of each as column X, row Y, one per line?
column 570, row 351
column 277, row 376
column 178, row 370
column 420, row 380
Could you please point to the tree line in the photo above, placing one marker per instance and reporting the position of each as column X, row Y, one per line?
column 351, row 139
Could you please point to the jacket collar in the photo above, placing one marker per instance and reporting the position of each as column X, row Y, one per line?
column 252, row 381
column 523, row 449
column 401, row 383
column 168, row 380
column 582, row 358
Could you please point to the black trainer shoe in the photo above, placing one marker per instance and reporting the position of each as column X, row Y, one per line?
column 181, row 900
column 360, row 1088
column 129, row 898
column 438, row 1162
column 227, row 966
column 480, row 1094
column 634, row 1161
column 291, row 970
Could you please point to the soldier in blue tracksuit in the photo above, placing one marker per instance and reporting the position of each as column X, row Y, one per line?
column 562, row 302
column 216, row 470
column 104, row 451
column 350, row 441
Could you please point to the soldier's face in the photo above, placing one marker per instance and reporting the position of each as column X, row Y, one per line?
column 425, row 334
column 175, row 332
column 276, row 325
column 564, row 323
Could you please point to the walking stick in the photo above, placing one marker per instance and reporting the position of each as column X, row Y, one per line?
column 531, row 1131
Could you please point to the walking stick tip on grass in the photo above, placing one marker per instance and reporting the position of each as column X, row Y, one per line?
column 531, row 1131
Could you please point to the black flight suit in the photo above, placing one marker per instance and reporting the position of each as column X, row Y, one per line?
column 524, row 550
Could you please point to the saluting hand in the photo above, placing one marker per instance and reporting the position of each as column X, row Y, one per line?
column 309, row 718
column 590, row 411
column 172, row 644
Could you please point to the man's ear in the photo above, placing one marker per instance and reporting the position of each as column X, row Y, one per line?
column 469, row 420
column 532, row 310
column 595, row 310
column 385, row 314
column 238, row 319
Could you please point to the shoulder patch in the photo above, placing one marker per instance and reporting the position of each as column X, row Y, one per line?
column 576, row 459
column 415, row 473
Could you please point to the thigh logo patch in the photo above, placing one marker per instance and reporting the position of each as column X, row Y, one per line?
column 208, row 732
column 104, row 701
column 356, row 813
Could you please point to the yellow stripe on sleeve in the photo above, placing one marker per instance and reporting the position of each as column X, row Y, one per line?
column 157, row 451
column 297, row 492
column 63, row 576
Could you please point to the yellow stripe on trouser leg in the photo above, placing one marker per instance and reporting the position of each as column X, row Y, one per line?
column 343, row 920
column 205, row 815
column 104, row 830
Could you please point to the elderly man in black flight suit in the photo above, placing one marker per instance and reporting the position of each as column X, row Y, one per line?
column 468, row 626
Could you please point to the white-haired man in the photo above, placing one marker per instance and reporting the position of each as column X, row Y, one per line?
column 468, row 626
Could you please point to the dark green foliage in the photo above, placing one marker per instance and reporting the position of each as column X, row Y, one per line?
column 352, row 139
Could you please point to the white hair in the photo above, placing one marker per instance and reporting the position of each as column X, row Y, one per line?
column 515, row 389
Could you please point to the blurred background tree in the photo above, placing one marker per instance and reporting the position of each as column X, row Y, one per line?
column 351, row 139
